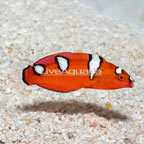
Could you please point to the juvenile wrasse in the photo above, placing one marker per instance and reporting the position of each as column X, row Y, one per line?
column 66, row 72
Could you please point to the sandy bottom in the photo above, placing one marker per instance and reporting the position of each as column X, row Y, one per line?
column 30, row 30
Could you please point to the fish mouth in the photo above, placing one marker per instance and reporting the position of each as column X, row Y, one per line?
column 131, row 84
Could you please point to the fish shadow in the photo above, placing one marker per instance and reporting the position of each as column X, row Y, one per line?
column 74, row 107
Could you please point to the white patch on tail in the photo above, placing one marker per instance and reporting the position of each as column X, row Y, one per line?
column 39, row 69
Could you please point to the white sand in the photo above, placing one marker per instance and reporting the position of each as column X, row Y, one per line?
column 30, row 30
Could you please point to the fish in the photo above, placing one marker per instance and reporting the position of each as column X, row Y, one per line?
column 67, row 71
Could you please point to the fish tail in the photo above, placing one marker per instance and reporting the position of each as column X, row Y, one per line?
column 27, row 75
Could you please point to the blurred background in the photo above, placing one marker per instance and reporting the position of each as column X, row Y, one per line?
column 130, row 11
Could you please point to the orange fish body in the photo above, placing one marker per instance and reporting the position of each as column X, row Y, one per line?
column 65, row 72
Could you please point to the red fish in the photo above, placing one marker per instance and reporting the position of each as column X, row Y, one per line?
column 66, row 72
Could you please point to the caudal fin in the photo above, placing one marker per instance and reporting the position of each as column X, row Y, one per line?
column 27, row 75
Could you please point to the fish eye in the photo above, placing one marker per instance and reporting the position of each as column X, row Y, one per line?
column 121, row 77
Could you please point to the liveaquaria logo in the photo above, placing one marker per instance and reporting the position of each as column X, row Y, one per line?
column 72, row 72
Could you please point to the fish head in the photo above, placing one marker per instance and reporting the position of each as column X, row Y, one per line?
column 116, row 78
